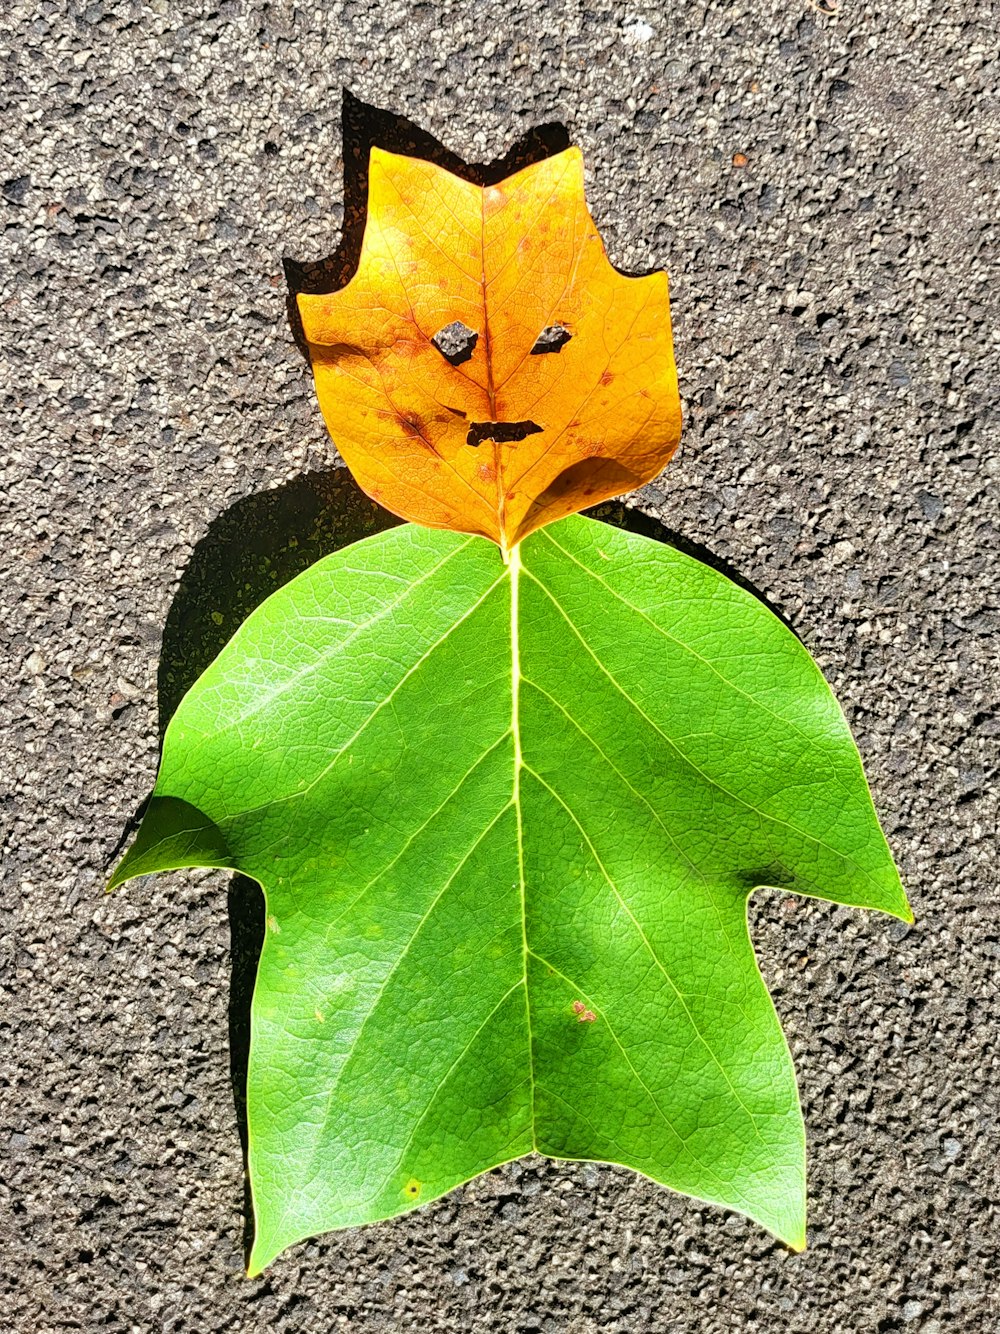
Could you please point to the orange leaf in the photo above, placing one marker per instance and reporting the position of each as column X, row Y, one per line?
column 487, row 369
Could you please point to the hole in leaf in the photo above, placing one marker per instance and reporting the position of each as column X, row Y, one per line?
column 456, row 342
column 504, row 433
column 553, row 338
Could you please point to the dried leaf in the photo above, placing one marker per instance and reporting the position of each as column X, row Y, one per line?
column 487, row 369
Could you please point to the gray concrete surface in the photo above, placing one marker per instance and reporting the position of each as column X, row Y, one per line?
column 837, row 339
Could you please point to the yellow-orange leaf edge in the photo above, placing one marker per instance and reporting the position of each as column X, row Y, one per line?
column 596, row 418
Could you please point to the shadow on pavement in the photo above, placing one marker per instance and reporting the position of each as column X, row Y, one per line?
column 250, row 551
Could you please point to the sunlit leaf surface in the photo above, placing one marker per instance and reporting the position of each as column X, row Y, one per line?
column 506, row 818
column 486, row 369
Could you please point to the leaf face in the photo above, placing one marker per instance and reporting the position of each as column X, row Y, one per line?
column 486, row 369
column 507, row 819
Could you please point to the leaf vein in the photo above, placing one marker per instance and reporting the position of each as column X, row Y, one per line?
column 652, row 952
column 742, row 801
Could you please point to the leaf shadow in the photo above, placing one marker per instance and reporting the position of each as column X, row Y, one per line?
column 250, row 551
column 636, row 520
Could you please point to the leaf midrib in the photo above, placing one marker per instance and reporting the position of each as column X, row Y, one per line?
column 512, row 572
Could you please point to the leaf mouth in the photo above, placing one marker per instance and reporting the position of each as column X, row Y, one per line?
column 504, row 433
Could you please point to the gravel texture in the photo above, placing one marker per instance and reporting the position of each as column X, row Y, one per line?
column 823, row 189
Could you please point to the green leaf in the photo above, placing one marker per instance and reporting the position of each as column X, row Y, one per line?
column 506, row 819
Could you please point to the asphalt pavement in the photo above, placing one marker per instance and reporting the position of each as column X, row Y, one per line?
column 822, row 185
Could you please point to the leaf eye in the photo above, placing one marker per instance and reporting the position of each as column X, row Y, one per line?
column 553, row 338
column 456, row 342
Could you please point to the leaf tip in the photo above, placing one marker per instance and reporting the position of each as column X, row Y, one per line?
column 379, row 157
column 901, row 909
column 258, row 1259
column 120, row 874
column 573, row 155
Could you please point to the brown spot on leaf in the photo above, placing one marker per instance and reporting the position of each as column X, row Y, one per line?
column 407, row 347
column 583, row 1015
column 329, row 354
column 412, row 1188
column 413, row 427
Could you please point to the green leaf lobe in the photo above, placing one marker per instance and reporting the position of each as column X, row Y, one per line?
column 506, row 819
